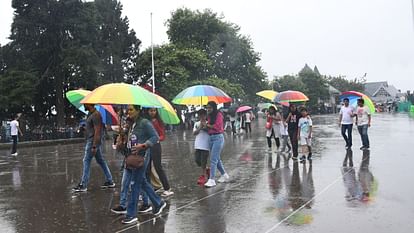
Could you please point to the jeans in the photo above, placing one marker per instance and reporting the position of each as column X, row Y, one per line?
column 348, row 140
column 99, row 159
column 216, row 146
column 14, row 147
column 363, row 131
column 139, row 183
column 126, row 181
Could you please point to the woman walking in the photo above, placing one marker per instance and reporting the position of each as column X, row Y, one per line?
column 156, row 151
column 273, row 123
column 216, row 138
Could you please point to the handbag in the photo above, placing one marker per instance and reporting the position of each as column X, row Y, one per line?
column 134, row 161
column 268, row 125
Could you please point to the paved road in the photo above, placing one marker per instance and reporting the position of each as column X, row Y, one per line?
column 268, row 192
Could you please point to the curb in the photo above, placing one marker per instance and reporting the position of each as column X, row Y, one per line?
column 4, row 146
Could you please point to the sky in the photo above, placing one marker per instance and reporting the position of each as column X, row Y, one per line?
column 341, row 37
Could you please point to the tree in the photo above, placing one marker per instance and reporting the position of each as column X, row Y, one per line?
column 343, row 84
column 232, row 54
column 175, row 67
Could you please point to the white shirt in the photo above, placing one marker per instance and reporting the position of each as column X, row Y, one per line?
column 202, row 138
column 363, row 113
column 347, row 113
column 283, row 130
column 304, row 126
column 248, row 117
column 13, row 127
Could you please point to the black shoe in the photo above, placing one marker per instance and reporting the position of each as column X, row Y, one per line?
column 302, row 159
column 310, row 156
column 365, row 148
column 129, row 220
column 108, row 185
column 158, row 210
column 145, row 209
column 119, row 210
column 79, row 188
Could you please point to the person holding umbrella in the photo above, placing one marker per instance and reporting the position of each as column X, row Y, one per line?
column 215, row 131
column 292, row 120
column 345, row 121
column 93, row 148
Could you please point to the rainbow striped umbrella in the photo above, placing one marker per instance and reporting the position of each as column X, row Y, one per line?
column 167, row 113
column 290, row 97
column 122, row 93
column 353, row 97
column 109, row 116
column 201, row 95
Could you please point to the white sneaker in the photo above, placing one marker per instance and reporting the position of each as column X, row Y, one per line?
column 224, row 178
column 210, row 183
column 14, row 154
column 113, row 146
column 167, row 193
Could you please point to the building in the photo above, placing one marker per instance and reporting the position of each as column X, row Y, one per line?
column 381, row 92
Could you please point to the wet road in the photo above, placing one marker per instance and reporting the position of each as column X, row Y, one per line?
column 341, row 191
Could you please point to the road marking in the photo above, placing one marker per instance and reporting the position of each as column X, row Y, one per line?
column 195, row 201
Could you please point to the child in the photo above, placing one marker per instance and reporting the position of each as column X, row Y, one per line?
column 202, row 145
column 285, row 136
column 305, row 134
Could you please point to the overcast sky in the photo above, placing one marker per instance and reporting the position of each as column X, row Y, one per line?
column 341, row 37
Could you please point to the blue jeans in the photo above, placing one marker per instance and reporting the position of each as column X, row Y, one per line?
column 87, row 163
column 126, row 181
column 344, row 128
column 216, row 146
column 139, row 183
column 363, row 131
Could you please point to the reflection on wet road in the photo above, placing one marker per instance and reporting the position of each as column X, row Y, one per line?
column 339, row 191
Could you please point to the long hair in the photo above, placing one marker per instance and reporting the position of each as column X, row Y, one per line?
column 157, row 116
column 213, row 114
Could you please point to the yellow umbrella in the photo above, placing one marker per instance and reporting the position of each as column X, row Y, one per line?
column 268, row 94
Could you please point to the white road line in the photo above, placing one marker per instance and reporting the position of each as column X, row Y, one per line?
column 303, row 206
column 195, row 201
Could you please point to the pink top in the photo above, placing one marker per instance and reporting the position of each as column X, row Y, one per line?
column 218, row 125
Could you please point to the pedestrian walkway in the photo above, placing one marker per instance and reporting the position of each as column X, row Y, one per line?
column 267, row 193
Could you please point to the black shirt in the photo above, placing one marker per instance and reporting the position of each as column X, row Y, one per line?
column 293, row 121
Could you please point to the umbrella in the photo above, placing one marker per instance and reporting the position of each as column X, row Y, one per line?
column 201, row 95
column 244, row 108
column 268, row 94
column 167, row 113
column 353, row 97
column 290, row 97
column 267, row 105
column 122, row 93
column 109, row 116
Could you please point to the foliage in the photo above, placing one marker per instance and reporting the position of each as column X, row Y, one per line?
column 343, row 84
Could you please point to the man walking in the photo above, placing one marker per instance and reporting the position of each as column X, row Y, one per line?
column 93, row 148
column 14, row 130
column 292, row 120
column 346, row 122
column 363, row 122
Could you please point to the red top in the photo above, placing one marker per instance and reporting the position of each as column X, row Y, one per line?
column 159, row 127
column 218, row 125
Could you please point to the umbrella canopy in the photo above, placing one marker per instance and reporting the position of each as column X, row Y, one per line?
column 109, row 116
column 290, row 97
column 267, row 94
column 201, row 95
column 353, row 97
column 122, row 93
column 167, row 113
column 244, row 108
column 267, row 105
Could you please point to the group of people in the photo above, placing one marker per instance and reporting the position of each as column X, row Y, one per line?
column 141, row 136
column 297, row 126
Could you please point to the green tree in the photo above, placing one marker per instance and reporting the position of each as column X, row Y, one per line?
column 232, row 54
column 316, row 86
column 343, row 84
